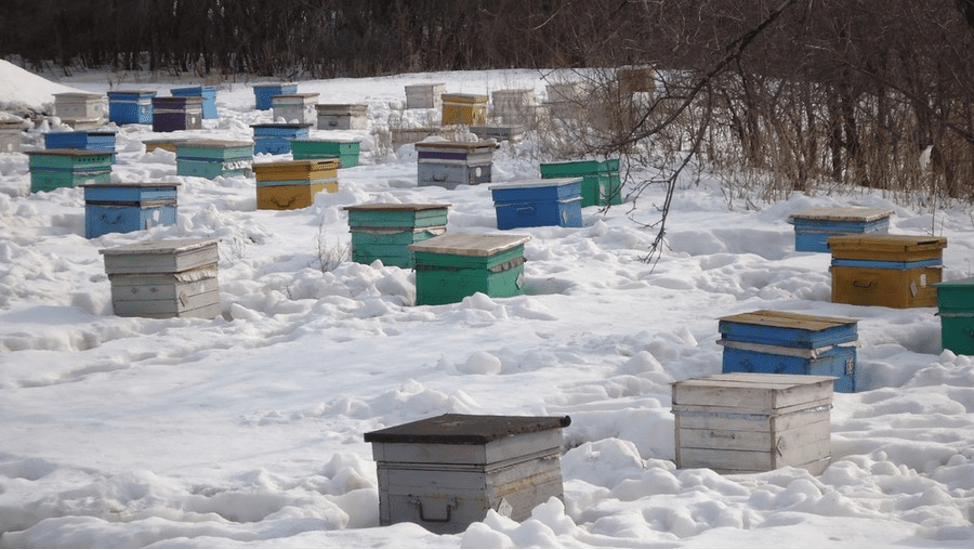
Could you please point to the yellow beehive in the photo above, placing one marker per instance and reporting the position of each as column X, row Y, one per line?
column 468, row 109
column 292, row 184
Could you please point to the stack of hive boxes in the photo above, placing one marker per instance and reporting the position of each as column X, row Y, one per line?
column 54, row 168
column 383, row 231
column 450, row 163
column 79, row 110
column 126, row 207
column 171, row 278
column 292, row 184
column 130, row 106
column 209, row 158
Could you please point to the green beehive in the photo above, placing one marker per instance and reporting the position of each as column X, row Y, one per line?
column 209, row 158
column 346, row 152
column 383, row 231
column 601, row 184
column 456, row 265
column 53, row 168
column 955, row 304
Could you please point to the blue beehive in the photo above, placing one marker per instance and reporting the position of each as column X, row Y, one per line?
column 207, row 93
column 275, row 138
column 89, row 140
column 264, row 93
column 813, row 227
column 535, row 203
column 130, row 106
column 777, row 342
column 127, row 207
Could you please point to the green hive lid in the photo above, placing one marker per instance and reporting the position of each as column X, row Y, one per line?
column 957, row 283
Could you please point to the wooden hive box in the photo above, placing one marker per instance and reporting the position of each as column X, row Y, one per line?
column 264, row 93
column 955, row 307
column 276, row 138
column 292, row 184
column 566, row 99
column 79, row 106
column 11, row 132
column 206, row 93
column 425, row 96
column 209, row 158
column 170, row 278
column 451, row 163
column 453, row 266
column 342, row 116
column 447, row 472
column 126, row 207
column 383, row 231
column 601, row 185
column 166, row 144
column 513, row 106
column 740, row 422
column 886, row 270
column 296, row 107
column 534, row 203
column 54, row 168
column 813, row 227
column 780, row 342
column 347, row 152
column 465, row 109
column 130, row 106
column 91, row 140
column 170, row 114
column 636, row 80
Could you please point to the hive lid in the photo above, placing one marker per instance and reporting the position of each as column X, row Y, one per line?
column 72, row 152
column 552, row 182
column 299, row 164
column 215, row 143
column 469, row 244
column 752, row 392
column 297, row 95
column 393, row 207
column 464, row 429
column 842, row 214
column 138, row 184
column 467, row 146
column 788, row 320
column 282, row 125
column 140, row 92
column 168, row 246
column 875, row 241
column 956, row 283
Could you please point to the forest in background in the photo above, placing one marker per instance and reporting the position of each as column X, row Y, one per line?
column 786, row 95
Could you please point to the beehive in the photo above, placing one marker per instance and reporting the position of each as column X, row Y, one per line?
column 601, row 183
column 170, row 114
column 54, row 168
column 347, row 152
column 447, row 472
column 91, row 140
column 466, row 109
column 166, row 144
column 513, row 106
column 127, row 207
column 886, row 270
column 425, row 96
column 453, row 266
column 130, row 106
column 209, row 158
column 170, row 278
column 11, row 130
column 80, row 110
column 565, row 99
column 781, row 342
column 206, row 93
column 752, row 422
column 813, row 227
column 264, row 93
column 955, row 307
column 342, row 116
column 383, row 231
column 636, row 80
column 451, row 163
column 533, row 203
column 299, row 108
column 276, row 138
column 292, row 184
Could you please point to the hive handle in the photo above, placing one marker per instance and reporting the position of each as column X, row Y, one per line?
column 857, row 284
column 418, row 502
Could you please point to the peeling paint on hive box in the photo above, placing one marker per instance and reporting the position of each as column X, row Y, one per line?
column 753, row 422
column 447, row 472
column 171, row 278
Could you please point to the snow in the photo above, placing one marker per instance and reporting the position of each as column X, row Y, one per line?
column 247, row 430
